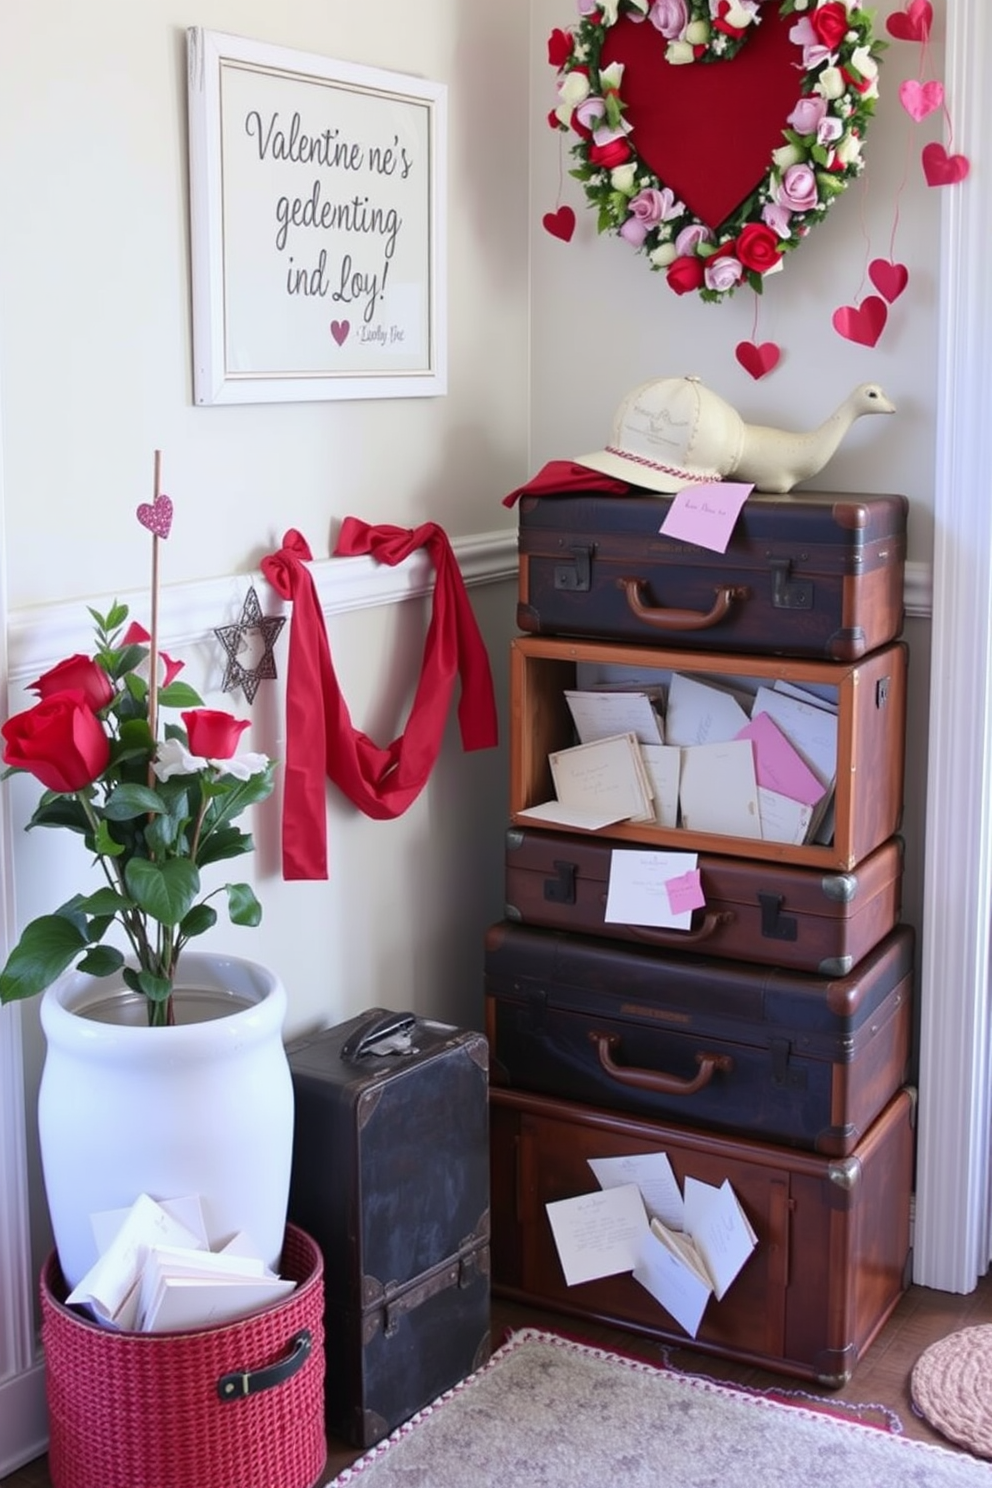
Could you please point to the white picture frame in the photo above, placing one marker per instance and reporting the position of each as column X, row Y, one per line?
column 317, row 224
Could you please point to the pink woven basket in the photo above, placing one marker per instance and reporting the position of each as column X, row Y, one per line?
column 236, row 1406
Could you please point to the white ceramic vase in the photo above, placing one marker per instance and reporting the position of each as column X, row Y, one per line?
column 202, row 1107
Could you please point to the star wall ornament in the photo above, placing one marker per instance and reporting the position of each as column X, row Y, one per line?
column 264, row 630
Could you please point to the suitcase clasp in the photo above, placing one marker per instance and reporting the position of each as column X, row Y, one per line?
column 561, row 890
column 793, row 1079
column 789, row 593
column 774, row 924
column 576, row 576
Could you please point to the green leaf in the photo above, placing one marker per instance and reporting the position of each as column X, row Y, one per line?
column 47, row 946
column 155, row 988
column 129, row 801
column 104, row 844
column 102, row 961
column 165, row 891
column 60, row 811
column 242, row 906
column 227, row 842
column 180, row 695
column 202, row 917
column 103, row 902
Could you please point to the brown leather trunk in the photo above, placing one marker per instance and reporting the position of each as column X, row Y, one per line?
column 811, row 574
column 394, row 1187
column 802, row 1060
column 833, row 1234
column 776, row 915
column 870, row 695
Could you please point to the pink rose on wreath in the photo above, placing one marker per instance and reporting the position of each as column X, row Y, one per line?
column 670, row 17
column 830, row 23
column 797, row 189
column 815, row 53
column 647, row 209
column 691, row 237
column 758, row 248
column 807, row 114
column 724, row 270
column 685, row 275
column 777, row 218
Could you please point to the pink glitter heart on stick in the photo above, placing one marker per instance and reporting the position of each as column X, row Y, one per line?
column 157, row 516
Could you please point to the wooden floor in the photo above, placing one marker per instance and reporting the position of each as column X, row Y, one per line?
column 881, row 1378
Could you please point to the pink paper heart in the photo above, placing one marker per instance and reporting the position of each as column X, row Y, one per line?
column 339, row 330
column 920, row 99
column 157, row 516
column 890, row 279
column 757, row 360
column 863, row 323
column 913, row 23
column 942, row 169
column 560, row 224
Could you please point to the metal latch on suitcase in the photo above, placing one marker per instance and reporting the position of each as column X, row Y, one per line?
column 789, row 593
column 576, row 576
column 794, row 1078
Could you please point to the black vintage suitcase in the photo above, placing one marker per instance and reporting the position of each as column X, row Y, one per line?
column 778, row 915
column 833, row 1234
column 810, row 574
column 800, row 1060
column 391, row 1178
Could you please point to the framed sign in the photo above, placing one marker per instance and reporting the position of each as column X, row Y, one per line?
column 317, row 216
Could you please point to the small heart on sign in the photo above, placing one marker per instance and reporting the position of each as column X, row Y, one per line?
column 339, row 330
column 913, row 23
column 920, row 99
column 560, row 224
column 758, row 360
column 864, row 323
column 157, row 517
column 942, row 169
column 890, row 279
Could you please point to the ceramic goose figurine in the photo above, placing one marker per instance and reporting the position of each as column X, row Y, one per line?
column 775, row 460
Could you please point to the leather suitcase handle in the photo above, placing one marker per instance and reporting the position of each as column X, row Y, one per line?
column 708, row 925
column 654, row 1080
column 680, row 619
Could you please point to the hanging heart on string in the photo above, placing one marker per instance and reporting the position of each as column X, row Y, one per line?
column 560, row 224
column 920, row 99
column 862, row 323
column 913, row 23
column 890, row 279
column 942, row 169
column 758, row 360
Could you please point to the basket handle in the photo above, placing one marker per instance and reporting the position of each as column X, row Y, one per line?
column 242, row 1382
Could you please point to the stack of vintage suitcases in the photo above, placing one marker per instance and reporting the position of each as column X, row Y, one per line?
column 769, row 1044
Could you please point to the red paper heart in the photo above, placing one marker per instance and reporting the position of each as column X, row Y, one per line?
column 560, row 224
column 683, row 118
column 864, row 323
column 339, row 330
column 942, row 169
column 920, row 99
column 890, row 279
column 758, row 360
column 913, row 23
column 157, row 517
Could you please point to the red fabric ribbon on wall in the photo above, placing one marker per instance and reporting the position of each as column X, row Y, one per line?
column 320, row 737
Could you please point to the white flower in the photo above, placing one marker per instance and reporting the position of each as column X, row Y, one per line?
column 679, row 53
column 611, row 77
column 663, row 255
column 786, row 155
column 830, row 83
column 849, row 149
column 173, row 758
column 622, row 178
column 697, row 33
column 609, row 9
column 574, row 89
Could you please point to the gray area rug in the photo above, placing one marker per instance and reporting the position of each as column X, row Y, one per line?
column 550, row 1413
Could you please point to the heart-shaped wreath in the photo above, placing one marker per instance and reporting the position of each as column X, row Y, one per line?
column 716, row 172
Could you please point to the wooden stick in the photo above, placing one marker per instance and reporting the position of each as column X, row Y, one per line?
column 153, row 655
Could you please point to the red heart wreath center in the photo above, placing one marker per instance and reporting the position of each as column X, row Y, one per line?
column 708, row 132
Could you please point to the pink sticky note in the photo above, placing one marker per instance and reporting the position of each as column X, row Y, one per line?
column 706, row 514
column 777, row 766
column 685, row 893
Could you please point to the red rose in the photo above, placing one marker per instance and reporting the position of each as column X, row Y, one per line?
column 559, row 47
column 60, row 741
column 831, row 23
column 76, row 674
column 617, row 152
column 212, row 734
column 758, row 248
column 685, row 274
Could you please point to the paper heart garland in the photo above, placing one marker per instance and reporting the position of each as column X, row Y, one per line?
column 560, row 224
column 920, row 99
column 864, row 323
column 680, row 144
column 890, row 279
column 942, row 169
column 758, row 360
column 913, row 23
column 156, row 516
column 340, row 330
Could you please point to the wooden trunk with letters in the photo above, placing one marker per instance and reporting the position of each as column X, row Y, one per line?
column 833, row 1234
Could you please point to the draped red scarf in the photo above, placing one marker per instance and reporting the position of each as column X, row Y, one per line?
column 320, row 737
